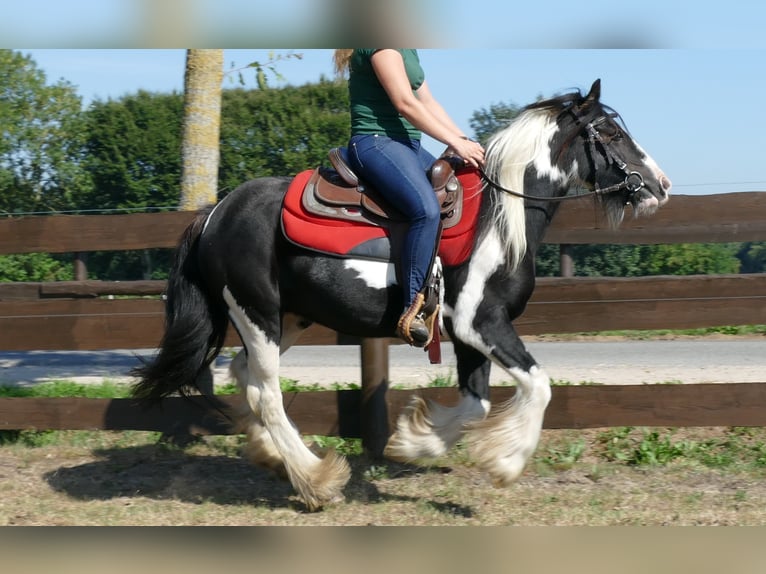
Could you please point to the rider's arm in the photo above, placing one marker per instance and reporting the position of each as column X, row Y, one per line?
column 421, row 110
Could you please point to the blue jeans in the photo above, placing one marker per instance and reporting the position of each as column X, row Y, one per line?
column 397, row 170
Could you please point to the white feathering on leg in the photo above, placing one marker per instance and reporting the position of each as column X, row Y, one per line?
column 502, row 443
column 428, row 430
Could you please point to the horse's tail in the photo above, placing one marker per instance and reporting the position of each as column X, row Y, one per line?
column 195, row 326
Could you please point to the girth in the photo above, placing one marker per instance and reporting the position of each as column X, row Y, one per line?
column 338, row 193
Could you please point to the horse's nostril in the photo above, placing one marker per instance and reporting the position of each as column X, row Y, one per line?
column 665, row 183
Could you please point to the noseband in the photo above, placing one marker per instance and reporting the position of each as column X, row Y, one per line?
column 633, row 182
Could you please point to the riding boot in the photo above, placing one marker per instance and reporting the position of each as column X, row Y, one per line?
column 412, row 325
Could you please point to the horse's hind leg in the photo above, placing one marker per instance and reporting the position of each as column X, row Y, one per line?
column 316, row 480
column 260, row 449
column 427, row 429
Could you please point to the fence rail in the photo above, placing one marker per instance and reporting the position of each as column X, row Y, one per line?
column 339, row 413
column 82, row 315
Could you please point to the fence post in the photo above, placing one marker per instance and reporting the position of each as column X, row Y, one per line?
column 80, row 267
column 374, row 415
column 566, row 263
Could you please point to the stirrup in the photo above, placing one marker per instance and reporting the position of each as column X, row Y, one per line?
column 414, row 327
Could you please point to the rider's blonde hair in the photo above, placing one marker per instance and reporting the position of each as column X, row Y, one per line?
column 342, row 59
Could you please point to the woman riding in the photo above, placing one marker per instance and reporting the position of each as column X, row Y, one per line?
column 391, row 107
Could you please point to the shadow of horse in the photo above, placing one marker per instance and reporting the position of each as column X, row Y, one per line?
column 162, row 472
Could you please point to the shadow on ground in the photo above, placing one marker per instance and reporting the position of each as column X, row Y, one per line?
column 171, row 473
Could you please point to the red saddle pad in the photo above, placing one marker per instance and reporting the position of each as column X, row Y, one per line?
column 340, row 237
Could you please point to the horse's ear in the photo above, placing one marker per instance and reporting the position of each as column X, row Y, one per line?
column 595, row 91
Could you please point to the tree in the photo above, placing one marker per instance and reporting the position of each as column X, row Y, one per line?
column 485, row 122
column 752, row 254
column 132, row 152
column 202, row 117
column 280, row 131
column 40, row 137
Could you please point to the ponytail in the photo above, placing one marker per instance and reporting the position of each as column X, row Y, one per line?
column 342, row 60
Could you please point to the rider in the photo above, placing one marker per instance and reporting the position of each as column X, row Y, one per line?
column 391, row 107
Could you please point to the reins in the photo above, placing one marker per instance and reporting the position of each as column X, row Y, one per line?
column 633, row 181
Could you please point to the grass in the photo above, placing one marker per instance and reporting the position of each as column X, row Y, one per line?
column 65, row 389
column 732, row 330
column 738, row 447
column 735, row 447
column 619, row 476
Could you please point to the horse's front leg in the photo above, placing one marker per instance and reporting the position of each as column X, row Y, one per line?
column 502, row 443
column 317, row 481
column 427, row 429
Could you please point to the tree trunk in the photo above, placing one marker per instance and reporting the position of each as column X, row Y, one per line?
column 202, row 119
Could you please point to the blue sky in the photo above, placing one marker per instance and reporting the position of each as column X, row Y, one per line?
column 698, row 112
column 435, row 23
column 688, row 78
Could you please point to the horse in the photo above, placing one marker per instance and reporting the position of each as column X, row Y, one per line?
column 235, row 264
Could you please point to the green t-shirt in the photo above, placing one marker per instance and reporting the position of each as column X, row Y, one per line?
column 371, row 109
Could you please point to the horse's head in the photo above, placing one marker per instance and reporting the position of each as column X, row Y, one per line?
column 610, row 161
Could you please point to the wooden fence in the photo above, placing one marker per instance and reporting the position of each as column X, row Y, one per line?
column 93, row 315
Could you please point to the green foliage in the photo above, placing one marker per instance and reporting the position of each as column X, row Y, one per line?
column 40, row 138
column 563, row 456
column 29, row 439
column 280, row 131
column 690, row 259
column 105, row 390
column 640, row 334
column 129, row 265
column 133, row 152
column 35, row 267
column 752, row 254
column 344, row 446
column 643, row 260
column 263, row 69
column 487, row 121
column 656, row 447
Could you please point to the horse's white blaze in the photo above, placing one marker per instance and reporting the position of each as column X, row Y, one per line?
column 658, row 173
column 488, row 257
column 375, row 274
column 503, row 443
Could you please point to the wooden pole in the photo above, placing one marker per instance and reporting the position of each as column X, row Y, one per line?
column 374, row 423
column 566, row 263
column 80, row 267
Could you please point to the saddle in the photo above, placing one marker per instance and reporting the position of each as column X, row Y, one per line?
column 338, row 193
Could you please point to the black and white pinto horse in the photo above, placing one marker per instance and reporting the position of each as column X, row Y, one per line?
column 234, row 264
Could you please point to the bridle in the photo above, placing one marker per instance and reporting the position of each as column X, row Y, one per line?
column 633, row 182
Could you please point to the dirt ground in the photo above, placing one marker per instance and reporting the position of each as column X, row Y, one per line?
column 130, row 479
column 575, row 478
